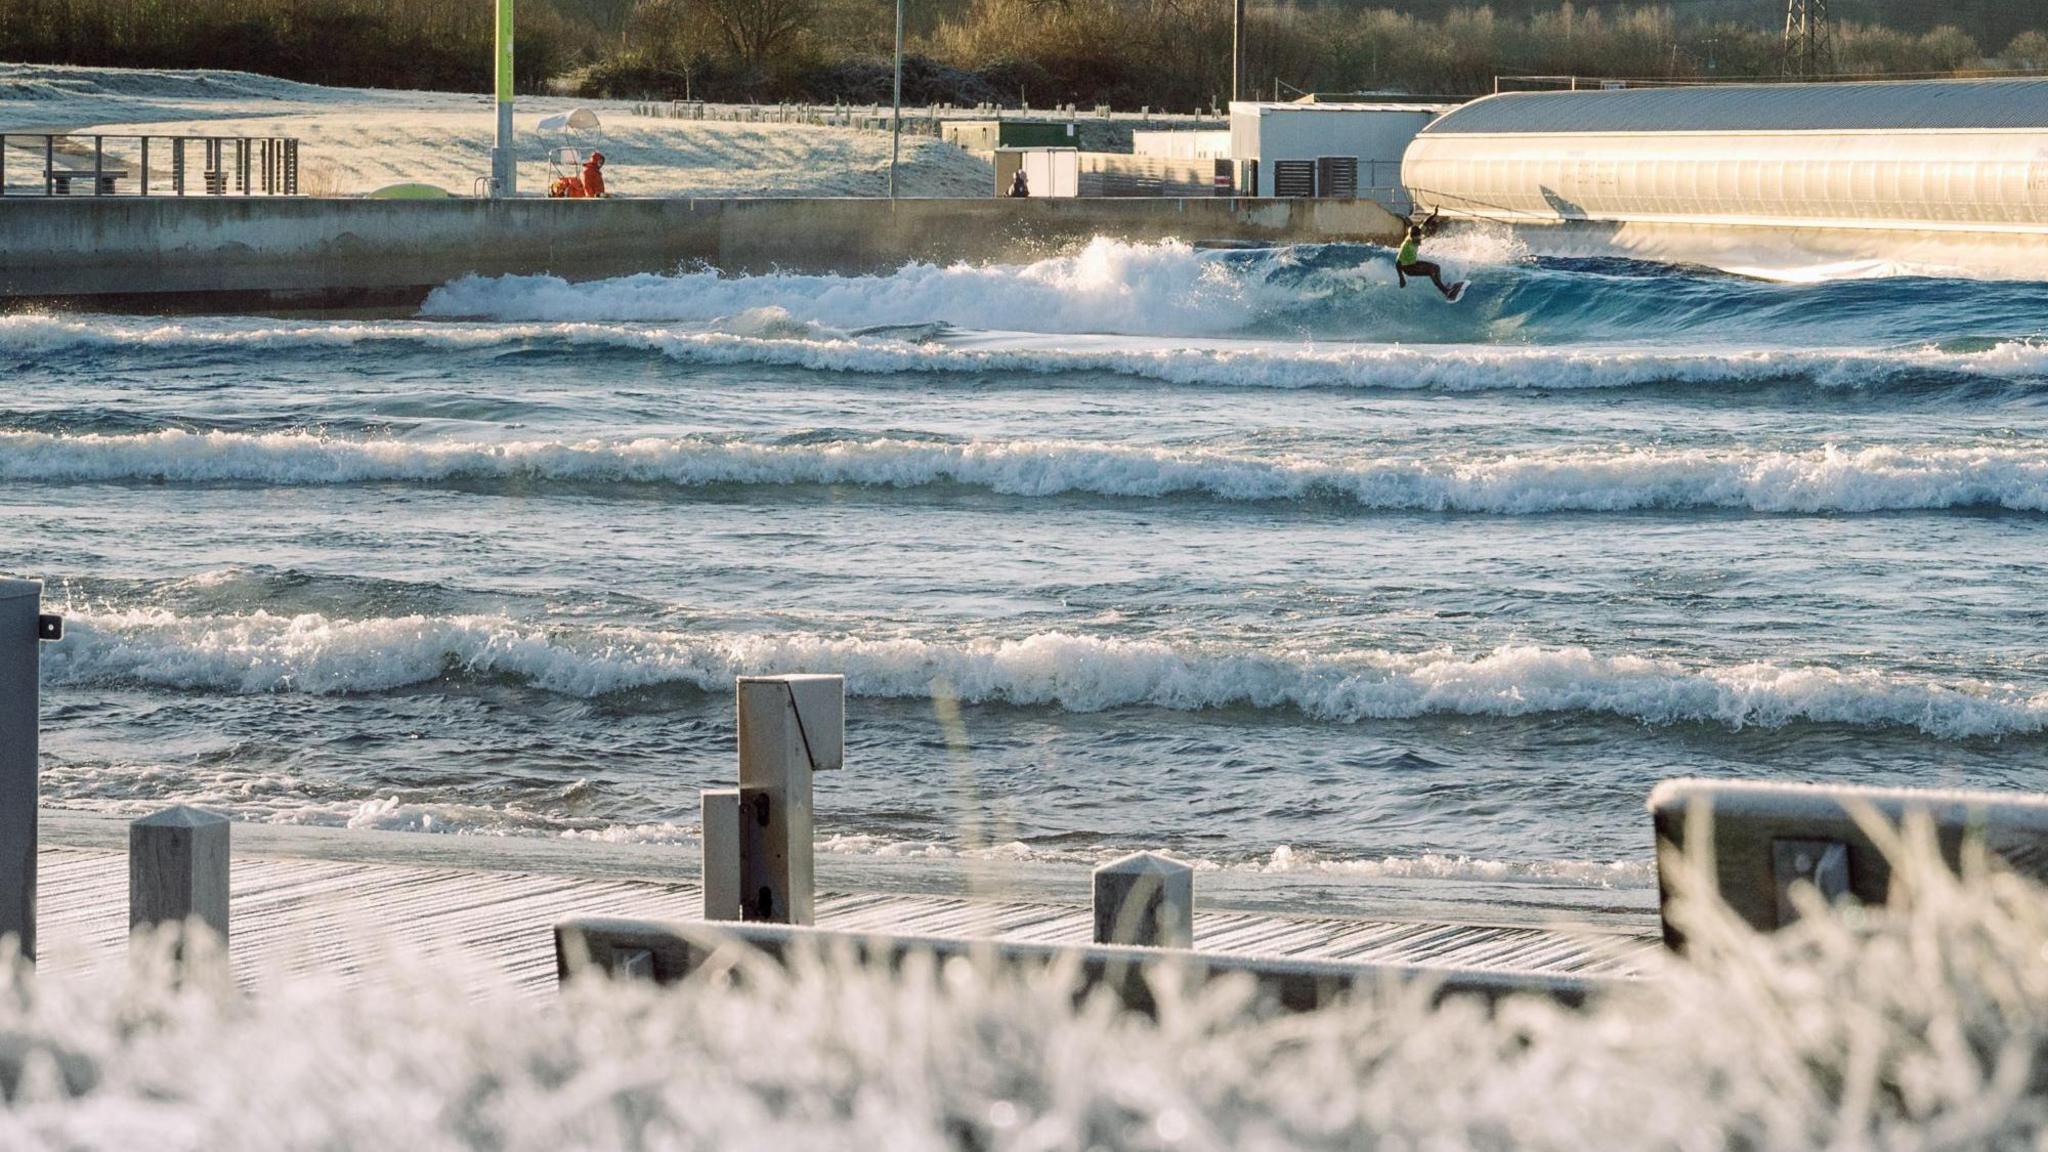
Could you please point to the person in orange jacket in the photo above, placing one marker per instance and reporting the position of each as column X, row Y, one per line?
column 593, row 175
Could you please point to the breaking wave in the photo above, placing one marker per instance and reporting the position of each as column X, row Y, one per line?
column 1322, row 291
column 1244, row 363
column 1109, row 286
column 1829, row 479
column 314, row 653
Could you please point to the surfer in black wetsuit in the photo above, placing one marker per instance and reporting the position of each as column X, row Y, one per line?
column 1408, row 262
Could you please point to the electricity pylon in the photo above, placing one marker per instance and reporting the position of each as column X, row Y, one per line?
column 1809, row 39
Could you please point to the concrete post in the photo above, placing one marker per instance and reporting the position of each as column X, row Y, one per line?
column 178, row 870
column 1146, row 899
column 896, row 105
column 721, row 853
column 20, row 609
column 789, row 727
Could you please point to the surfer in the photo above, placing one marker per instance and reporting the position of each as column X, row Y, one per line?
column 1408, row 261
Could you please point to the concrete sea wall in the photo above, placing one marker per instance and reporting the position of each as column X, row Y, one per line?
column 225, row 253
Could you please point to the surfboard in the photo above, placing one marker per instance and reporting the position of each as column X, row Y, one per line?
column 1458, row 291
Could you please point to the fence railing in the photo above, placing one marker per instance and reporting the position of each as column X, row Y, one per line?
column 103, row 164
column 924, row 120
column 863, row 117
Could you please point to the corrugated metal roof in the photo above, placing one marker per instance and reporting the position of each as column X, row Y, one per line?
column 1922, row 104
column 1264, row 106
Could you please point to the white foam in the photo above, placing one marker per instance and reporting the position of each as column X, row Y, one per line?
column 262, row 652
column 1204, row 363
column 1284, row 860
column 1108, row 286
column 2001, row 474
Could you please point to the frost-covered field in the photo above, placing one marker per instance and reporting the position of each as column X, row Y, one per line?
column 1922, row 1028
column 356, row 140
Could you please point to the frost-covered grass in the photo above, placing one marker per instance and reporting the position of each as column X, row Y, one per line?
column 1920, row 1027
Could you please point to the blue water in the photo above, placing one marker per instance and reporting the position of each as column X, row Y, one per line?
column 1216, row 552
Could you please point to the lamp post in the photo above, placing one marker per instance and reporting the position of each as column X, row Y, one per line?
column 896, row 116
column 504, row 166
column 1236, row 50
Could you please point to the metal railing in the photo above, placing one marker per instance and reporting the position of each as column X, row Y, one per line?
column 106, row 164
column 926, row 119
column 1576, row 83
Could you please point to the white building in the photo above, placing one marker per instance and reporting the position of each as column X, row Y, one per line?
column 1199, row 144
column 1931, row 176
column 1324, row 149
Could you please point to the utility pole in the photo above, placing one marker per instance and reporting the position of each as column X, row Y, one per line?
column 504, row 162
column 1236, row 49
column 896, row 117
column 1809, row 39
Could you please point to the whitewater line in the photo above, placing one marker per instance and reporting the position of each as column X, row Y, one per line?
column 260, row 652
column 1214, row 364
column 1829, row 479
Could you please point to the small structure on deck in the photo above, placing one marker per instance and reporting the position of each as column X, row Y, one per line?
column 990, row 135
column 1190, row 144
column 1327, row 150
column 1048, row 172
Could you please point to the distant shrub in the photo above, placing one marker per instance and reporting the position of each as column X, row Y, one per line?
column 2027, row 50
column 1162, row 53
column 444, row 44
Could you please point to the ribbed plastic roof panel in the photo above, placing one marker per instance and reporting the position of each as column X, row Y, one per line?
column 1899, row 105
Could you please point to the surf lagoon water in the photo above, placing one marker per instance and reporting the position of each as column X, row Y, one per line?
column 1247, row 555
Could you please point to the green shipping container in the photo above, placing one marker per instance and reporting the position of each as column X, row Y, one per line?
column 989, row 135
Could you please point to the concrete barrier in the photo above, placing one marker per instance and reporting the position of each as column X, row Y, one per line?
column 672, row 953
column 228, row 253
column 1759, row 837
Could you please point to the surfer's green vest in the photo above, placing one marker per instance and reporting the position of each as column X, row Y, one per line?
column 1407, row 253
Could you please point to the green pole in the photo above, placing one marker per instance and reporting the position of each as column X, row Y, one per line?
column 504, row 51
column 504, row 168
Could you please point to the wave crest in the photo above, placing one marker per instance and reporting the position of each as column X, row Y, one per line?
column 1830, row 479
column 262, row 652
column 1262, row 364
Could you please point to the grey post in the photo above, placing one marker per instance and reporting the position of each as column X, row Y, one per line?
column 789, row 727
column 20, row 632
column 1145, row 899
column 896, row 104
column 721, row 853
column 178, row 870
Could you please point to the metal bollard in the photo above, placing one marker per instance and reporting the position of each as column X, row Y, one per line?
column 721, row 812
column 1145, row 899
column 789, row 728
column 178, row 870
column 23, row 628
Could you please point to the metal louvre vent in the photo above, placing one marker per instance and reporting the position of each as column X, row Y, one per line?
column 1295, row 177
column 1337, row 176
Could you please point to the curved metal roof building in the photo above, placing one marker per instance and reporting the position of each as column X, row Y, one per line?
column 1938, row 175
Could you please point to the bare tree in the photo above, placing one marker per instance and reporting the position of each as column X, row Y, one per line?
column 757, row 31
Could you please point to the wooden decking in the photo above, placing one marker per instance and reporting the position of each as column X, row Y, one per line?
column 306, row 914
